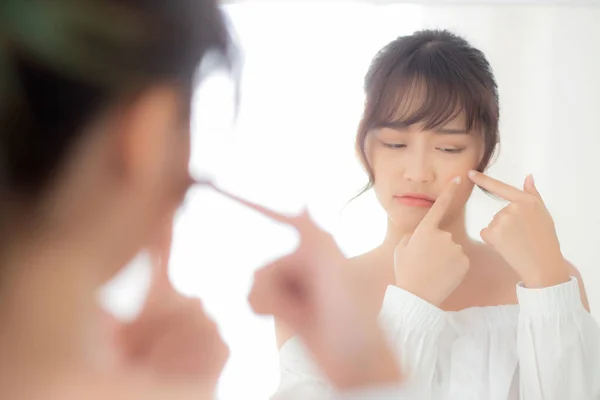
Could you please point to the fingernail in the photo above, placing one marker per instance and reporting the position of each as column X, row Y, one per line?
column 472, row 174
column 457, row 180
column 531, row 177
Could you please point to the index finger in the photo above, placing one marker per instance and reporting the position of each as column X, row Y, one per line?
column 260, row 209
column 160, row 253
column 496, row 187
column 437, row 212
column 161, row 248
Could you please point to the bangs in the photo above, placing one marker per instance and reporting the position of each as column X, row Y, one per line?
column 430, row 92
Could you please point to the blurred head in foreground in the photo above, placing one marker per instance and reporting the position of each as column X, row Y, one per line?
column 94, row 149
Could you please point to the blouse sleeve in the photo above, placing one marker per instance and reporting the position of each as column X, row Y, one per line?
column 380, row 393
column 558, row 344
column 300, row 378
column 415, row 328
column 419, row 330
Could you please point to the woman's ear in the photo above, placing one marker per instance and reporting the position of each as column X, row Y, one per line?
column 147, row 127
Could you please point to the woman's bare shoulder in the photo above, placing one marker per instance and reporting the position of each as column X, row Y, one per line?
column 366, row 260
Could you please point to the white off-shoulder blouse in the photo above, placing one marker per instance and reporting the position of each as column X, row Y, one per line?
column 544, row 348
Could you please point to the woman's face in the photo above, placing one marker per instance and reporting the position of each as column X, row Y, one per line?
column 412, row 166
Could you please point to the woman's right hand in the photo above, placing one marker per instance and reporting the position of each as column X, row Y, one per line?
column 315, row 293
column 428, row 263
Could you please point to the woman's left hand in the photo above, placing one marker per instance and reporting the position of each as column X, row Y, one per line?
column 524, row 234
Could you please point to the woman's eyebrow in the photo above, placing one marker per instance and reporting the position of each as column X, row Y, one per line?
column 394, row 125
column 451, row 131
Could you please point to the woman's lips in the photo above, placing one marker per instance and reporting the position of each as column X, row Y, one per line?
column 415, row 200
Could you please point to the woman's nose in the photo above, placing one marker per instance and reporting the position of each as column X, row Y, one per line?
column 417, row 167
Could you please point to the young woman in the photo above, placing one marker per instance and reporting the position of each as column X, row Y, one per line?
column 94, row 152
column 506, row 319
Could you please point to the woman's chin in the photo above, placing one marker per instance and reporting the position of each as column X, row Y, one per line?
column 407, row 220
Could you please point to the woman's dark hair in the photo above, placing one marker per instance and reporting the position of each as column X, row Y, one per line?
column 62, row 62
column 444, row 74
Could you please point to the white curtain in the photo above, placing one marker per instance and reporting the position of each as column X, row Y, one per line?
column 292, row 145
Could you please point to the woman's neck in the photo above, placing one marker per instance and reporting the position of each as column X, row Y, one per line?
column 47, row 322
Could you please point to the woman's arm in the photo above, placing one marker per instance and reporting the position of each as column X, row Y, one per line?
column 558, row 344
column 283, row 333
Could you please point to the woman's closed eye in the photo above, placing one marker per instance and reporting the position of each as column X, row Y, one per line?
column 393, row 145
column 448, row 149
column 451, row 150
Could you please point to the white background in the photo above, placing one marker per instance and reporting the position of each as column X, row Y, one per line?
column 292, row 144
